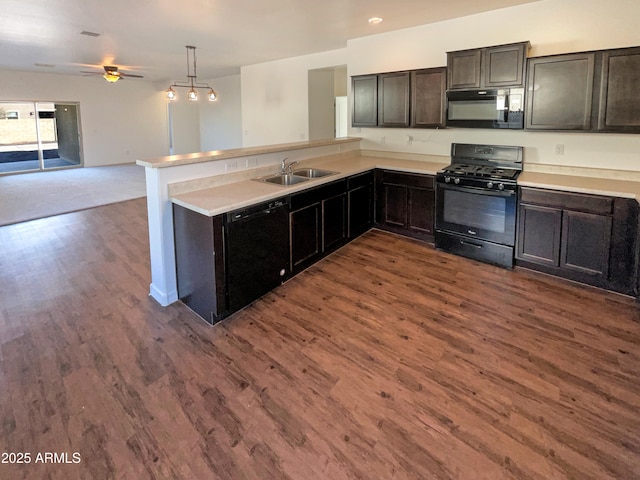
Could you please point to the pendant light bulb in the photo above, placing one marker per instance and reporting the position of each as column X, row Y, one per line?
column 171, row 94
column 213, row 95
column 192, row 95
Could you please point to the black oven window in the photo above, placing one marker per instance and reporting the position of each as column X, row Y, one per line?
column 483, row 212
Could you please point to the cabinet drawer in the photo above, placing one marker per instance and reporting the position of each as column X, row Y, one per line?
column 317, row 194
column 572, row 201
column 359, row 180
column 408, row 180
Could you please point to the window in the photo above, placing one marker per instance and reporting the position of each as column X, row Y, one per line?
column 12, row 115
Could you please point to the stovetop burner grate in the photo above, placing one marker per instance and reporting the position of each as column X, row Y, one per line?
column 485, row 171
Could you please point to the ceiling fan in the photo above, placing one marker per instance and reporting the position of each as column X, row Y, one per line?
column 112, row 75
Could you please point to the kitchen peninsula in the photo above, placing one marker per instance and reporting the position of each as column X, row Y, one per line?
column 165, row 176
column 213, row 183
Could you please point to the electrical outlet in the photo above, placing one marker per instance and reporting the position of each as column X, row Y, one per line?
column 559, row 148
column 231, row 165
column 252, row 162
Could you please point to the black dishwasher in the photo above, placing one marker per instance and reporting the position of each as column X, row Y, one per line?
column 256, row 251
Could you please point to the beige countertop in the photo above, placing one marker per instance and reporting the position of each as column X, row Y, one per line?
column 200, row 157
column 581, row 184
column 225, row 198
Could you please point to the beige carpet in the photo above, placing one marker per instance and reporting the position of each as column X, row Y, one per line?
column 43, row 194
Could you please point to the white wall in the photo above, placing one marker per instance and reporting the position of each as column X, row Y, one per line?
column 185, row 124
column 221, row 121
column 341, row 80
column 552, row 26
column 321, row 104
column 120, row 122
column 275, row 106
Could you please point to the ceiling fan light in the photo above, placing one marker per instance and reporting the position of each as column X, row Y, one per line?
column 213, row 95
column 171, row 94
column 192, row 95
column 111, row 77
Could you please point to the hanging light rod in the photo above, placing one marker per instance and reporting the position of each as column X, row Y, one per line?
column 192, row 84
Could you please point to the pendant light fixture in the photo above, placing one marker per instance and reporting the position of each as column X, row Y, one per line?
column 192, row 82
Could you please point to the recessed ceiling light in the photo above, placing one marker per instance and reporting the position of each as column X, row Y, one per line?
column 375, row 20
column 89, row 34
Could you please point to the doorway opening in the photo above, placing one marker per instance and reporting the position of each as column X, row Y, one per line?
column 37, row 136
column 328, row 102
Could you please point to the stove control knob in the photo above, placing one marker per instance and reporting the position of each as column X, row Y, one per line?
column 490, row 185
column 456, row 181
column 501, row 186
column 447, row 179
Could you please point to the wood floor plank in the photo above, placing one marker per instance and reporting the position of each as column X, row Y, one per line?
column 387, row 359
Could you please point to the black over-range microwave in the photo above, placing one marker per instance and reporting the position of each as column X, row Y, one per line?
column 501, row 108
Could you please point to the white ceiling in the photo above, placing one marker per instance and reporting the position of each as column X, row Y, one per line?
column 148, row 37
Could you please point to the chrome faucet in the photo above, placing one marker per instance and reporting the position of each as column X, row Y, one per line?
column 287, row 167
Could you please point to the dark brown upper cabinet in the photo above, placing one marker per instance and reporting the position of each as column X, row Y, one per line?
column 393, row 99
column 489, row 67
column 586, row 91
column 619, row 102
column 559, row 92
column 428, row 88
column 364, row 106
column 464, row 69
column 413, row 98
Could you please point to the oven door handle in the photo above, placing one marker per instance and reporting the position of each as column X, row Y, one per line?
column 481, row 191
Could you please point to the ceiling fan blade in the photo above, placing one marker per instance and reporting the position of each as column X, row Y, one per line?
column 131, row 75
column 92, row 73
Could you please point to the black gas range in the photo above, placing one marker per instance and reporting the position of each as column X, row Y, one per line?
column 476, row 202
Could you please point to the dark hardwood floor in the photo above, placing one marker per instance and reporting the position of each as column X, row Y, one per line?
column 387, row 360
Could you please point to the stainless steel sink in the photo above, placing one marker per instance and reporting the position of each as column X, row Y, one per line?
column 287, row 179
column 295, row 177
column 312, row 172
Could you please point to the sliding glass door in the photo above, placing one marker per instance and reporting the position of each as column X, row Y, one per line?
column 39, row 136
column 18, row 138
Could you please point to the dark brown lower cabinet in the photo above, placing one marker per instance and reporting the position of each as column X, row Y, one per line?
column 200, row 263
column 317, row 223
column 360, row 203
column 586, row 243
column 405, row 203
column 587, row 238
column 304, row 228
column 543, row 226
column 421, row 208
column 334, row 222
